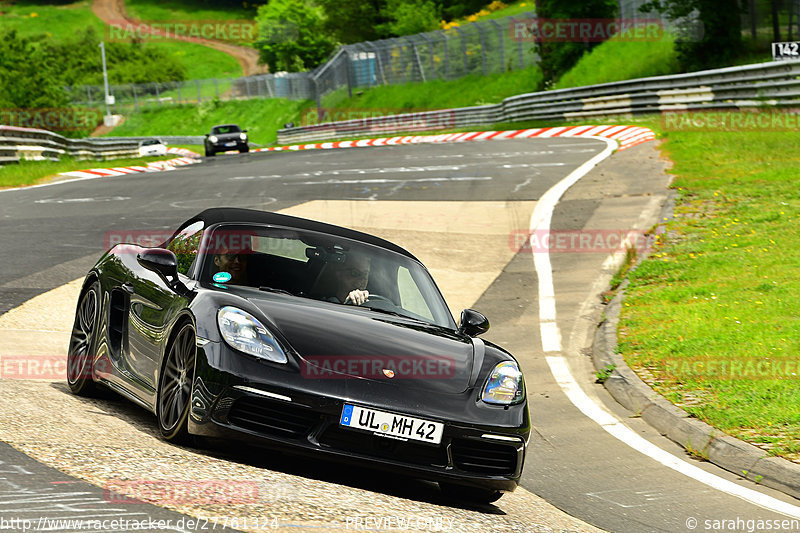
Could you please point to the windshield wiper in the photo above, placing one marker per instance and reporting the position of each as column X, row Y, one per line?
column 273, row 289
column 387, row 312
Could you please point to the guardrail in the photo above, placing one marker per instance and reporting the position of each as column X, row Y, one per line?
column 169, row 139
column 774, row 84
column 33, row 144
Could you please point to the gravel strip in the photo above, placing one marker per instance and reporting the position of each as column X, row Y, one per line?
column 114, row 444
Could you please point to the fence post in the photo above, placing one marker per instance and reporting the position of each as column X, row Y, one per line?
column 158, row 94
column 347, row 73
column 318, row 98
column 267, row 79
column 216, row 88
column 463, row 48
column 500, row 44
column 89, row 95
column 483, row 47
column 180, row 98
column 199, row 93
column 446, row 58
column 247, row 87
column 378, row 62
column 430, row 50
column 135, row 97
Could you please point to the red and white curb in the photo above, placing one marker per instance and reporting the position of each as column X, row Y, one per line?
column 626, row 136
column 188, row 157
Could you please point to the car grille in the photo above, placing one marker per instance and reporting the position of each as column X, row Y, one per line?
column 484, row 457
column 363, row 443
column 272, row 418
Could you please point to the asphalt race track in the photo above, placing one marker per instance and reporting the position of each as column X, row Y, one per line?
column 464, row 210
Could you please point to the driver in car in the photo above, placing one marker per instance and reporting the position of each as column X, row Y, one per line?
column 351, row 279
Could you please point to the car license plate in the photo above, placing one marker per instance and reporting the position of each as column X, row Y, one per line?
column 401, row 427
column 231, row 143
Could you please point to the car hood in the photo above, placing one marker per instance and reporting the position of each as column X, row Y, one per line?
column 335, row 341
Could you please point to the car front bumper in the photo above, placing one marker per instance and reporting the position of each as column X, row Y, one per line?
column 232, row 400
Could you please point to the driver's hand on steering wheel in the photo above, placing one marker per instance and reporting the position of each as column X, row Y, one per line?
column 357, row 297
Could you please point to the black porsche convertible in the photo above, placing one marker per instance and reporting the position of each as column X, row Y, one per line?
column 308, row 337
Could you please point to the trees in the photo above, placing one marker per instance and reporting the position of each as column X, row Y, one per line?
column 721, row 37
column 291, row 36
column 557, row 57
column 28, row 77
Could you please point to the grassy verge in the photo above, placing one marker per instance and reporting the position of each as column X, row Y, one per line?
column 617, row 60
column 201, row 62
column 262, row 118
column 62, row 21
column 710, row 319
column 440, row 94
column 35, row 172
column 57, row 21
column 185, row 10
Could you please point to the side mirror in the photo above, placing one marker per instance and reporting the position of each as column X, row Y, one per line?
column 473, row 323
column 207, row 134
column 161, row 261
column 244, row 131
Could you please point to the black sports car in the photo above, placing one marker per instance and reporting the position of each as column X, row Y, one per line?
column 247, row 325
column 226, row 137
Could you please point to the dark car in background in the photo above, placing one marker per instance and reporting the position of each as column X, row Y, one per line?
column 226, row 137
column 231, row 329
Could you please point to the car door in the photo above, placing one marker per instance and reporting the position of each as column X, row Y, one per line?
column 153, row 307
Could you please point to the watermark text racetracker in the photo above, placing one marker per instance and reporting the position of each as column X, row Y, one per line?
column 217, row 30
column 52, row 118
column 752, row 120
column 585, row 30
column 181, row 492
column 578, row 241
column 732, row 369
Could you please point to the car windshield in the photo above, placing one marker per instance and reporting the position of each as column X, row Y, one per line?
column 150, row 142
column 231, row 128
column 320, row 266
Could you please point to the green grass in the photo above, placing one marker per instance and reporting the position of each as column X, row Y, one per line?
column 61, row 22
column 262, row 118
column 185, row 10
column 511, row 8
column 617, row 60
column 721, row 287
column 440, row 94
column 34, row 172
column 58, row 21
column 201, row 61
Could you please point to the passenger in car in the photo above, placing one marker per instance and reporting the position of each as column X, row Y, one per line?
column 234, row 263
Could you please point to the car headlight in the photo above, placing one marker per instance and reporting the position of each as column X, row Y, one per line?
column 243, row 136
column 245, row 333
column 505, row 385
column 213, row 139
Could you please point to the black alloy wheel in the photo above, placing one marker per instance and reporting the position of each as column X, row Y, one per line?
column 82, row 342
column 175, row 385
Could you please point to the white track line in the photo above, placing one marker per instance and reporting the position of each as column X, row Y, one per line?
column 551, row 342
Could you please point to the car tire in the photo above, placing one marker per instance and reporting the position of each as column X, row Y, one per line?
column 210, row 153
column 469, row 494
column 244, row 150
column 175, row 385
column 82, row 342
